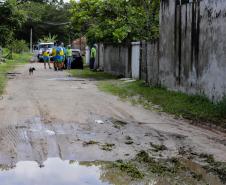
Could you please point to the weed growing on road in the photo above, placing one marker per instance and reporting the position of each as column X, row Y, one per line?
column 107, row 146
column 158, row 148
column 152, row 165
column 129, row 168
column 218, row 168
column 145, row 167
column 91, row 142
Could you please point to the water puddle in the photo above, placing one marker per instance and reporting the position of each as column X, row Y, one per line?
column 36, row 153
column 54, row 171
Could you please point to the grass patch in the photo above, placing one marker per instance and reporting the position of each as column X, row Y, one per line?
column 91, row 142
column 129, row 168
column 155, row 166
column 117, row 123
column 158, row 148
column 107, row 147
column 18, row 59
column 87, row 73
column 216, row 167
column 193, row 107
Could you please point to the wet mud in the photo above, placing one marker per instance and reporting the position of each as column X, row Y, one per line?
column 97, row 153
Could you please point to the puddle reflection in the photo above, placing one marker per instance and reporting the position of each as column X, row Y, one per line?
column 54, row 172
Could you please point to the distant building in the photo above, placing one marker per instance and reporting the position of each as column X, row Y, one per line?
column 80, row 43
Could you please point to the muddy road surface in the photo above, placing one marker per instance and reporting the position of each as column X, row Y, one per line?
column 50, row 122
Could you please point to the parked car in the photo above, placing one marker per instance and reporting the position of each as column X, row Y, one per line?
column 77, row 61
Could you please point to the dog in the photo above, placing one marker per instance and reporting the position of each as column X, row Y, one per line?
column 31, row 70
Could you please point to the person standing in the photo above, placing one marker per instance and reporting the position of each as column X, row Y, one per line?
column 93, row 57
column 69, row 57
column 46, row 57
column 59, row 59
column 54, row 56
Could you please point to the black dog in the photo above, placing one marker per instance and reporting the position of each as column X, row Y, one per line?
column 31, row 70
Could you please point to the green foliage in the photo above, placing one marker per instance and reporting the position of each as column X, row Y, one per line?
column 48, row 38
column 12, row 18
column 221, row 107
column 129, row 168
column 116, row 20
column 46, row 18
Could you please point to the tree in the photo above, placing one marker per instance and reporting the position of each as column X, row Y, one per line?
column 116, row 20
column 45, row 18
column 49, row 38
column 12, row 18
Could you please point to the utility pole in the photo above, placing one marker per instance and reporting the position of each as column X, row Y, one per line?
column 80, row 43
column 31, row 41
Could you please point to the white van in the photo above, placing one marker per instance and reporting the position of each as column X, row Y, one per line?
column 40, row 47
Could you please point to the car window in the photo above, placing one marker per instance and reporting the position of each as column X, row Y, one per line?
column 41, row 46
column 50, row 45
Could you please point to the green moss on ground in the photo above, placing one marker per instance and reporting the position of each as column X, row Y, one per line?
column 129, row 168
column 107, row 146
column 216, row 167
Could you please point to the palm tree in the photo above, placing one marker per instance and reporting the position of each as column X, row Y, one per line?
column 49, row 38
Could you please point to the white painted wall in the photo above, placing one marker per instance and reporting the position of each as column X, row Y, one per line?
column 87, row 55
column 135, row 60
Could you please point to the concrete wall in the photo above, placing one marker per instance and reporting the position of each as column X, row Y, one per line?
column 153, row 63
column 100, row 56
column 193, row 46
column 135, row 60
column 190, row 55
column 149, row 59
column 117, row 60
column 143, row 61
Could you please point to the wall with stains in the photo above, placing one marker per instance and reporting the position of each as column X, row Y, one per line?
column 192, row 48
column 149, row 62
column 117, row 59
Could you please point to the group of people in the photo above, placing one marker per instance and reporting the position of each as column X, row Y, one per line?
column 61, row 57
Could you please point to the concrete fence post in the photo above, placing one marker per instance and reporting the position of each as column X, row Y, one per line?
column 101, row 56
column 87, row 54
column 135, row 60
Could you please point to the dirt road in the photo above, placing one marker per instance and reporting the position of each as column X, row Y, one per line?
column 52, row 115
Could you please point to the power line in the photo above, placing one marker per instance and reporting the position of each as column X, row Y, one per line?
column 56, row 24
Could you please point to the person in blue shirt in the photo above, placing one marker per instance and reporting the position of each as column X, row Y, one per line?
column 59, row 58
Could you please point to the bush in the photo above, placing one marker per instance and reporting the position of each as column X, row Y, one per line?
column 221, row 107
